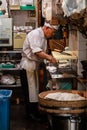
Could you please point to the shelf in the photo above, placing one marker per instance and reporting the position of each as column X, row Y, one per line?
column 10, row 85
column 13, row 57
column 13, row 52
column 14, row 7
column 63, row 76
column 7, row 69
column 23, row 7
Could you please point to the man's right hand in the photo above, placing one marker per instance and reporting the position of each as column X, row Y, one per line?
column 53, row 60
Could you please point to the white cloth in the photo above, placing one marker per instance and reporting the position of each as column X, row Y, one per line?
column 59, row 96
column 72, row 6
column 51, row 26
column 33, row 86
column 34, row 42
column 26, row 2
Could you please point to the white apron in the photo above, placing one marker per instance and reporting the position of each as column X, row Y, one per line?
column 33, row 87
column 32, row 78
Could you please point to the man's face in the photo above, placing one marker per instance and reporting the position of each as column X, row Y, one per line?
column 50, row 32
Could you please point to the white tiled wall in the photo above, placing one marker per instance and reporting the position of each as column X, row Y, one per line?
column 73, row 42
column 82, row 49
column 79, row 43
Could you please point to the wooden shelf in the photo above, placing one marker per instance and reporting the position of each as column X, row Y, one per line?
column 18, row 7
column 14, row 7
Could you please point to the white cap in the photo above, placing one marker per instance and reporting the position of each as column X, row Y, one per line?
column 51, row 26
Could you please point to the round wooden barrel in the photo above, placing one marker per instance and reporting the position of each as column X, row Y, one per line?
column 63, row 107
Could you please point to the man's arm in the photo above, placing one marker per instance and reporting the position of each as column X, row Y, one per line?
column 43, row 55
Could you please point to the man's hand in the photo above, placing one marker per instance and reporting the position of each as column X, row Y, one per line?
column 52, row 59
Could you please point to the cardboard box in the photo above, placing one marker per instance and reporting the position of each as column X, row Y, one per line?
column 19, row 40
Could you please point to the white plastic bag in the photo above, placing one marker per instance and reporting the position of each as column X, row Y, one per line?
column 72, row 6
column 7, row 79
column 26, row 2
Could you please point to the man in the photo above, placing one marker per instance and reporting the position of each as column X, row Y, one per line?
column 34, row 52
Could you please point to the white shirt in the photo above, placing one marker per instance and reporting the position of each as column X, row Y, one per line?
column 35, row 42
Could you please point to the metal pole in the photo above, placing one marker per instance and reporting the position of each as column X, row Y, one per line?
column 8, row 8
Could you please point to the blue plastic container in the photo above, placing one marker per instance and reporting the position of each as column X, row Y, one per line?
column 5, row 109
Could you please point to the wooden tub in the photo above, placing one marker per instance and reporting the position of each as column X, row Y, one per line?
column 63, row 107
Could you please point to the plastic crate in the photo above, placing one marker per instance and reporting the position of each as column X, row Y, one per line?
column 5, row 109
